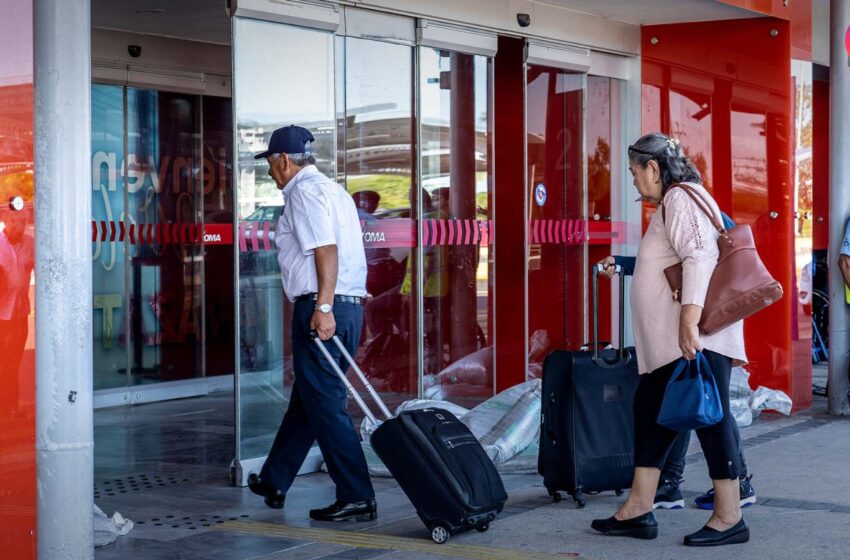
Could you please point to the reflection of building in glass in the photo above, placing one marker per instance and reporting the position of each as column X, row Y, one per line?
column 256, row 187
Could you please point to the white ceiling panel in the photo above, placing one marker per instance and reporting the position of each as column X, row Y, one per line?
column 207, row 20
column 654, row 12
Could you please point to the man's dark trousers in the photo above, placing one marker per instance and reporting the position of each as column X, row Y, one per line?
column 317, row 410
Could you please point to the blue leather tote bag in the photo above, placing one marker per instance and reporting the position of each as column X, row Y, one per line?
column 691, row 400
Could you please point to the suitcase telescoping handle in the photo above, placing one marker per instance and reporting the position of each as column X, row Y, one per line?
column 618, row 270
column 357, row 398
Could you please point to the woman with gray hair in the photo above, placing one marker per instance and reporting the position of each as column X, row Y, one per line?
column 665, row 330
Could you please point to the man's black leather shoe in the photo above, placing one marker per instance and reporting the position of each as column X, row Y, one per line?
column 366, row 510
column 274, row 498
column 707, row 536
column 641, row 527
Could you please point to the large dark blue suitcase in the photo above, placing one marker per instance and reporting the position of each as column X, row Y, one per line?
column 586, row 421
column 436, row 460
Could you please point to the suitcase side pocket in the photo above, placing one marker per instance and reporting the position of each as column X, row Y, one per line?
column 466, row 468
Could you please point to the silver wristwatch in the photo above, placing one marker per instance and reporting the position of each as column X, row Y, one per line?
column 324, row 307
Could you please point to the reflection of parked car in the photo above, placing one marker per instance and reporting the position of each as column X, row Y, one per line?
column 393, row 213
column 265, row 213
column 263, row 261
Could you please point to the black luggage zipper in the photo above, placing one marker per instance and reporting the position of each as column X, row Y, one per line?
column 453, row 444
column 450, row 444
column 463, row 440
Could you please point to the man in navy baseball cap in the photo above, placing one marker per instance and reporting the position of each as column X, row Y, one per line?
column 323, row 271
column 288, row 140
column 289, row 152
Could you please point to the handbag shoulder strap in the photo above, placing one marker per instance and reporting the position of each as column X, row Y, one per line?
column 701, row 203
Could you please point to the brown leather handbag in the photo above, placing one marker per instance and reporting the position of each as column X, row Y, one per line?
column 740, row 285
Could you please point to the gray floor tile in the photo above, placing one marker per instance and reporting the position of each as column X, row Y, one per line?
column 190, row 456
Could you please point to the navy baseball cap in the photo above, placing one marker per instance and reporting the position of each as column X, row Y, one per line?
column 288, row 140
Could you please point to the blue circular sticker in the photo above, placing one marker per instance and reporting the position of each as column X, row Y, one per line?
column 540, row 194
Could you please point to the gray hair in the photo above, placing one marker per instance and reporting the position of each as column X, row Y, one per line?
column 306, row 158
column 674, row 165
column 300, row 160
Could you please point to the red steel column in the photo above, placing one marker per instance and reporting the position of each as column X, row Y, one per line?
column 510, row 235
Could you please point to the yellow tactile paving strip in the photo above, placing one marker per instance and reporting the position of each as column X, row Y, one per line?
column 383, row 542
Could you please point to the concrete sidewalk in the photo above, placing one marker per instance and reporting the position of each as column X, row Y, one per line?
column 800, row 468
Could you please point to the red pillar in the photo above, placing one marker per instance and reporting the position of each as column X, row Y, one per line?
column 509, row 242
column 743, row 68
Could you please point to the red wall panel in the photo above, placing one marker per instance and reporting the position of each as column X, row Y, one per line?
column 17, row 339
column 736, row 77
column 798, row 12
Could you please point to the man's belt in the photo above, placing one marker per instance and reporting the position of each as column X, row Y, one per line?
column 357, row 300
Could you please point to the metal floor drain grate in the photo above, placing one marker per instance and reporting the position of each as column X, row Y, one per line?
column 134, row 483
column 192, row 523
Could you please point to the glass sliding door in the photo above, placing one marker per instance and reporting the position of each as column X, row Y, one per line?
column 604, row 222
column 150, row 176
column 217, row 126
column 379, row 155
column 108, row 254
column 557, row 219
column 804, row 268
column 164, row 336
column 457, row 190
column 423, row 187
column 267, row 95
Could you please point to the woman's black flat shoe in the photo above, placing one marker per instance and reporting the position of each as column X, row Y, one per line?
column 641, row 527
column 707, row 536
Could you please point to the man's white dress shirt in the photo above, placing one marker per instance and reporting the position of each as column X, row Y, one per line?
column 318, row 212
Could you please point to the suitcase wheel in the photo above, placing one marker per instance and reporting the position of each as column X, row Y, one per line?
column 618, row 491
column 556, row 496
column 578, row 496
column 482, row 527
column 440, row 535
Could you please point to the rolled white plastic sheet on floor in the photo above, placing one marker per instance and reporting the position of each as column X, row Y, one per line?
column 746, row 404
column 108, row 529
column 770, row 399
column 739, row 397
column 507, row 425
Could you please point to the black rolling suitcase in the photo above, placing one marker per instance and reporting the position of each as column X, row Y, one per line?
column 586, row 422
column 436, row 460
